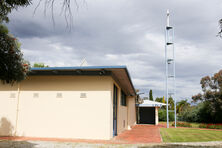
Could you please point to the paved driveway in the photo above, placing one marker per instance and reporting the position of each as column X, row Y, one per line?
column 137, row 135
column 141, row 134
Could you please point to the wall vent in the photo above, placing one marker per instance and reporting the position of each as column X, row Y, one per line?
column 35, row 95
column 12, row 95
column 82, row 95
column 59, row 95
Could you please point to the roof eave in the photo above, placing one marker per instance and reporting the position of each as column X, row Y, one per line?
column 88, row 68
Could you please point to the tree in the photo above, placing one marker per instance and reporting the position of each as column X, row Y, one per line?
column 65, row 9
column 151, row 95
column 163, row 100
column 182, row 105
column 212, row 95
column 40, row 65
column 159, row 99
column 6, row 7
column 12, row 65
column 171, row 103
column 189, row 114
column 199, row 113
column 163, row 115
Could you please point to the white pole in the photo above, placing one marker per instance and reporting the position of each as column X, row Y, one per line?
column 174, row 83
column 170, row 41
column 168, row 24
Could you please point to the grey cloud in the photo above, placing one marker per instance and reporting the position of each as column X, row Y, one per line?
column 128, row 33
column 27, row 29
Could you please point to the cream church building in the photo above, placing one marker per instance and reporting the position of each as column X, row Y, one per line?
column 88, row 102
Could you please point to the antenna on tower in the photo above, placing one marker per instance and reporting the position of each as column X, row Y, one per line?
column 168, row 17
column 170, row 66
column 84, row 62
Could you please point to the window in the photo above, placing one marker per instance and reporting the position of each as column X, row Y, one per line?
column 123, row 98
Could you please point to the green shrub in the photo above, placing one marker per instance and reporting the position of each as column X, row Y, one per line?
column 182, row 124
column 203, row 125
column 163, row 115
column 189, row 115
column 211, row 126
column 199, row 113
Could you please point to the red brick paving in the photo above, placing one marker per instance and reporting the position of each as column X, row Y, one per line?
column 141, row 134
column 138, row 134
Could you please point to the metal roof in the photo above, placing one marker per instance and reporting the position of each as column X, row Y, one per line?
column 119, row 73
column 149, row 103
column 78, row 67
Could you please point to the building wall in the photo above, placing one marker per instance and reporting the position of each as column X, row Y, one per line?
column 156, row 116
column 131, row 104
column 121, row 111
column 51, row 106
column 122, row 115
column 126, row 116
column 8, row 104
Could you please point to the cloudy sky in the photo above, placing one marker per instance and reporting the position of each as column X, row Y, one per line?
column 126, row 32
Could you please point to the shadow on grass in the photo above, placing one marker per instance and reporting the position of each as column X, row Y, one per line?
column 16, row 144
column 178, row 146
column 7, row 130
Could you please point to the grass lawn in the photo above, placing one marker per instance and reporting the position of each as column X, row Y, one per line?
column 189, row 135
